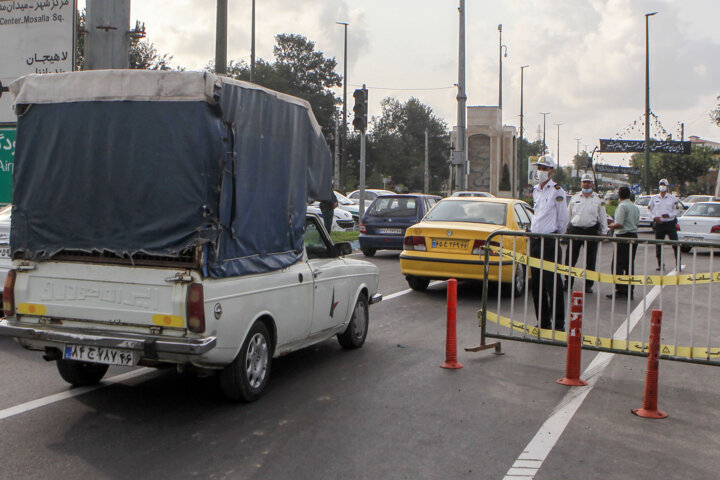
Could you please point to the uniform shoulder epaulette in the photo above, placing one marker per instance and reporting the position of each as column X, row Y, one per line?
column 557, row 186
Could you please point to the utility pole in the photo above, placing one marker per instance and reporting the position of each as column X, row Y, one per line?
column 522, row 117
column 252, row 45
column 427, row 165
column 544, row 114
column 108, row 33
column 343, row 130
column 461, row 148
column 647, row 105
column 558, row 143
column 336, row 171
column 221, row 38
column 578, row 146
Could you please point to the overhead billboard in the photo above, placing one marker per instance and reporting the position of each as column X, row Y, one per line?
column 637, row 146
column 35, row 37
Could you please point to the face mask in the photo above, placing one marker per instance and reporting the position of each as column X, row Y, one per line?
column 541, row 176
column 587, row 190
column 663, row 188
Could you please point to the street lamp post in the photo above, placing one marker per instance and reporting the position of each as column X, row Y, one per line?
column 500, row 57
column 343, row 130
column 647, row 104
column 462, row 168
column 544, row 114
column 558, row 143
column 252, row 45
column 520, row 157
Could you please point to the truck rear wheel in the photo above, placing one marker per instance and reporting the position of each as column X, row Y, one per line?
column 81, row 374
column 356, row 331
column 246, row 377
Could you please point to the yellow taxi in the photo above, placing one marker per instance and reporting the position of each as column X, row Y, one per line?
column 449, row 241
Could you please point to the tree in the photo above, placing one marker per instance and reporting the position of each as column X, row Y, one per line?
column 396, row 145
column 680, row 170
column 715, row 114
column 582, row 161
column 298, row 70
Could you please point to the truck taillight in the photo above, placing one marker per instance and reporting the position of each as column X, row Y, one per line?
column 715, row 229
column 195, row 308
column 412, row 242
column 9, row 294
column 362, row 228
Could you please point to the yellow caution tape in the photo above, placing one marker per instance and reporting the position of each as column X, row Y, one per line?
column 651, row 280
column 693, row 353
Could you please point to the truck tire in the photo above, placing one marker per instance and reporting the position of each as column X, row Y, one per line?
column 246, row 377
column 418, row 284
column 81, row 374
column 356, row 331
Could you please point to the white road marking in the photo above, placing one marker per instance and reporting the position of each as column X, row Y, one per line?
column 531, row 459
column 404, row 292
column 75, row 392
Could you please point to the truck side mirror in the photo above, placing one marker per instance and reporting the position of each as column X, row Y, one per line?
column 342, row 248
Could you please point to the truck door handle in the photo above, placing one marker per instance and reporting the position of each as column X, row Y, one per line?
column 316, row 273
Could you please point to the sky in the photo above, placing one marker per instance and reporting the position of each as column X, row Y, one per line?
column 586, row 57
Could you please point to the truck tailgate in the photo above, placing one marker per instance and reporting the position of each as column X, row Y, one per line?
column 102, row 294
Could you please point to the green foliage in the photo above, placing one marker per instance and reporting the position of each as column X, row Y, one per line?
column 715, row 114
column 396, row 147
column 344, row 236
column 298, row 70
column 582, row 161
column 680, row 170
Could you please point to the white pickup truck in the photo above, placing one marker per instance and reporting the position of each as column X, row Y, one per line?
column 161, row 218
column 87, row 314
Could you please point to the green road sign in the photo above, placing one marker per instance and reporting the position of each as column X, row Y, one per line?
column 7, row 163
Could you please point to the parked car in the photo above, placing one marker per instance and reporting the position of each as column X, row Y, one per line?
column 370, row 195
column 642, row 202
column 346, row 204
column 700, row 223
column 449, row 241
column 342, row 219
column 472, row 194
column 384, row 224
column 688, row 201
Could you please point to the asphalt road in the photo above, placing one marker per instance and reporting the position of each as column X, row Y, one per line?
column 386, row 411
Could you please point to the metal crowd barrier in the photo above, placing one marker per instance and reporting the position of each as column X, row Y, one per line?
column 691, row 333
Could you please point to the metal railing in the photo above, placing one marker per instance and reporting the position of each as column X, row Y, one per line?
column 617, row 324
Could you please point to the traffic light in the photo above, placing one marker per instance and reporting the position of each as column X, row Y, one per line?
column 360, row 109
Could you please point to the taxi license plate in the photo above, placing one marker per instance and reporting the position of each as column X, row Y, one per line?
column 104, row 355
column 392, row 231
column 450, row 244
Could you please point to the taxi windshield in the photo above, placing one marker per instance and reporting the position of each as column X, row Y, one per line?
column 469, row 211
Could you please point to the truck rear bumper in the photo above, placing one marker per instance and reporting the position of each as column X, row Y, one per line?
column 149, row 345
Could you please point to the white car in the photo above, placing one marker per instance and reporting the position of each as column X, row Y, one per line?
column 370, row 195
column 5, row 261
column 700, row 223
column 472, row 194
column 342, row 219
column 346, row 204
column 642, row 202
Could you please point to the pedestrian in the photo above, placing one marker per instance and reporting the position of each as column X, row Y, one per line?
column 551, row 216
column 327, row 209
column 664, row 208
column 588, row 217
column 625, row 225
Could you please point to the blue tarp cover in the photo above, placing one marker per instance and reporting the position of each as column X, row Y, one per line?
column 149, row 162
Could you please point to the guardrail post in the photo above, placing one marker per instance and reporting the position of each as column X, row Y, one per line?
column 574, row 344
column 451, row 337
column 649, row 408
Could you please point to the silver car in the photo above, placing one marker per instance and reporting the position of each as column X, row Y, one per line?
column 642, row 202
column 700, row 223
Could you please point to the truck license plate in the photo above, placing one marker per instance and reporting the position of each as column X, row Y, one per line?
column 104, row 355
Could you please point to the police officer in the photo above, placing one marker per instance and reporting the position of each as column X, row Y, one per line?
column 587, row 217
column 551, row 216
column 664, row 208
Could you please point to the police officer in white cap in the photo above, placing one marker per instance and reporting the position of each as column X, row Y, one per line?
column 587, row 217
column 551, row 216
column 665, row 209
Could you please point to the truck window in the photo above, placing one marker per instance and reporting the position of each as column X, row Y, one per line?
column 315, row 244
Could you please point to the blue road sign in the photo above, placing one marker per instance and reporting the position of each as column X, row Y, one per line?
column 636, row 189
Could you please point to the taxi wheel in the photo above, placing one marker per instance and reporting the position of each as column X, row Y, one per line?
column 81, row 374
column 519, row 280
column 356, row 331
column 368, row 252
column 246, row 377
column 418, row 284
